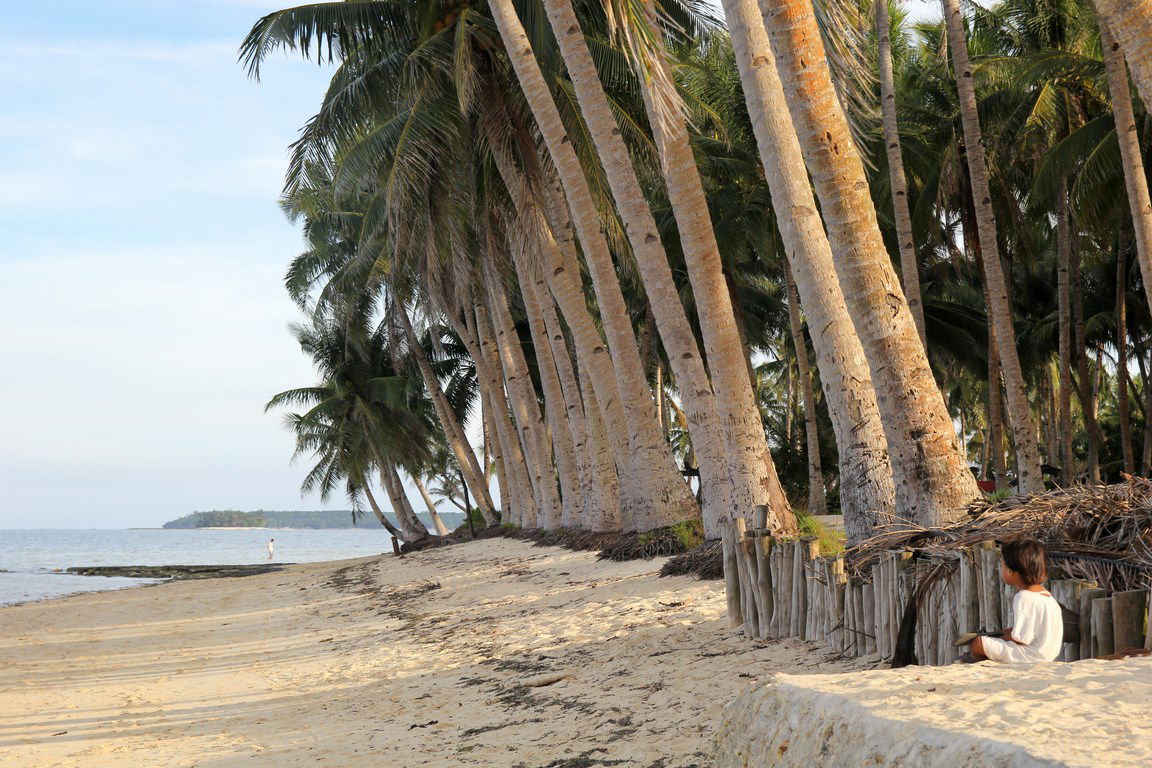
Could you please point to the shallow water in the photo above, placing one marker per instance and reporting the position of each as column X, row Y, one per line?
column 31, row 556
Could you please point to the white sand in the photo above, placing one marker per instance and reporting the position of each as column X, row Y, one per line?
column 358, row 663
column 1092, row 713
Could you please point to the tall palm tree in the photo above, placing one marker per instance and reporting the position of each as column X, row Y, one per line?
column 1130, row 24
column 1135, row 178
column 931, row 477
column 666, row 499
column 910, row 270
column 1029, row 476
column 867, row 490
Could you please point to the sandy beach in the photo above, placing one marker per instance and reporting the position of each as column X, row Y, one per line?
column 432, row 660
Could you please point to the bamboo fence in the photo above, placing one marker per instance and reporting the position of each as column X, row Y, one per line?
column 784, row 588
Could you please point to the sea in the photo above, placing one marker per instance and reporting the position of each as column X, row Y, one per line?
column 31, row 561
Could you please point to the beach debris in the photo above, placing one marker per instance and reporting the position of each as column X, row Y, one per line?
column 1099, row 533
column 175, row 571
column 423, row 725
column 542, row 680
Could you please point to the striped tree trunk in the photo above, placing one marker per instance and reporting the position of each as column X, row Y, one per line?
column 453, row 430
column 735, row 482
column 663, row 498
column 817, row 504
column 866, row 486
column 909, row 268
column 931, row 476
column 525, row 405
column 1135, row 180
column 1030, row 478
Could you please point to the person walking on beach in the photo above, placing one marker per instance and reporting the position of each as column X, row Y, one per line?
column 271, row 548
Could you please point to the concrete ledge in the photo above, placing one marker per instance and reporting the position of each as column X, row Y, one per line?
column 1085, row 714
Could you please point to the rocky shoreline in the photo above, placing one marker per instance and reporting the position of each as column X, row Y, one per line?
column 175, row 572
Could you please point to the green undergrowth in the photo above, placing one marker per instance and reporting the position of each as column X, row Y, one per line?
column 832, row 541
column 671, row 540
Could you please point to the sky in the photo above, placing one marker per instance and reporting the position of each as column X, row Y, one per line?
column 142, row 318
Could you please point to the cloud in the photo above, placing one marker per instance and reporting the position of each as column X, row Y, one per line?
column 142, row 315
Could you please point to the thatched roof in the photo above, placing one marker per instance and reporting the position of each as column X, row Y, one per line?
column 1097, row 532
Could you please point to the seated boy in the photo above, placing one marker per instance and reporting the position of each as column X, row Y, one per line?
column 1038, row 628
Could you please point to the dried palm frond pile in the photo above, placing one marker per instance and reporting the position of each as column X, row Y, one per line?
column 704, row 562
column 1095, row 532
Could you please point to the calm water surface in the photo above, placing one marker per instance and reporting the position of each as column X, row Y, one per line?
column 31, row 556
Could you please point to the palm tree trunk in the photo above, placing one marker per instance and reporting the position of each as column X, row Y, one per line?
column 1080, row 350
column 561, row 270
column 666, row 499
column 1064, row 288
column 525, row 406
column 1146, row 447
column 867, row 494
column 817, row 503
column 996, row 414
column 517, row 461
column 598, row 483
column 405, row 515
column 1052, row 431
column 932, row 479
column 496, row 451
column 516, row 496
column 602, row 514
column 384, row 521
column 1030, row 478
column 1122, row 353
column 789, row 406
column 1135, row 179
column 568, row 469
column 453, row 431
column 1130, row 25
column 751, row 469
column 441, row 529
column 909, row 268
column 736, row 482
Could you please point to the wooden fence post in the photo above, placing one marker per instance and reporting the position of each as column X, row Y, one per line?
column 1102, row 639
column 1128, row 610
column 761, row 548
column 991, row 617
column 1086, row 625
column 732, row 577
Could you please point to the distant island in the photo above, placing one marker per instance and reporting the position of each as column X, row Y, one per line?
column 268, row 518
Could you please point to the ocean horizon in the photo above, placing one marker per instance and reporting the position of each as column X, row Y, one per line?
column 33, row 560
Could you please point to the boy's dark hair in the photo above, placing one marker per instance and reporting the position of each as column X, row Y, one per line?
column 1026, row 557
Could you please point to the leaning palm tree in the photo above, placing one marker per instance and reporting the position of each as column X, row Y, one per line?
column 931, row 477
column 666, row 499
column 868, row 494
column 1129, row 23
column 1029, row 477
column 1135, row 179
column 739, row 463
column 910, row 270
column 358, row 416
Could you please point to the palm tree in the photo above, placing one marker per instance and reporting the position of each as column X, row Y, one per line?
column 931, row 477
column 817, row 504
column 1029, row 477
column 867, row 490
column 665, row 498
column 1129, row 23
column 1135, row 179
column 358, row 416
column 910, row 270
